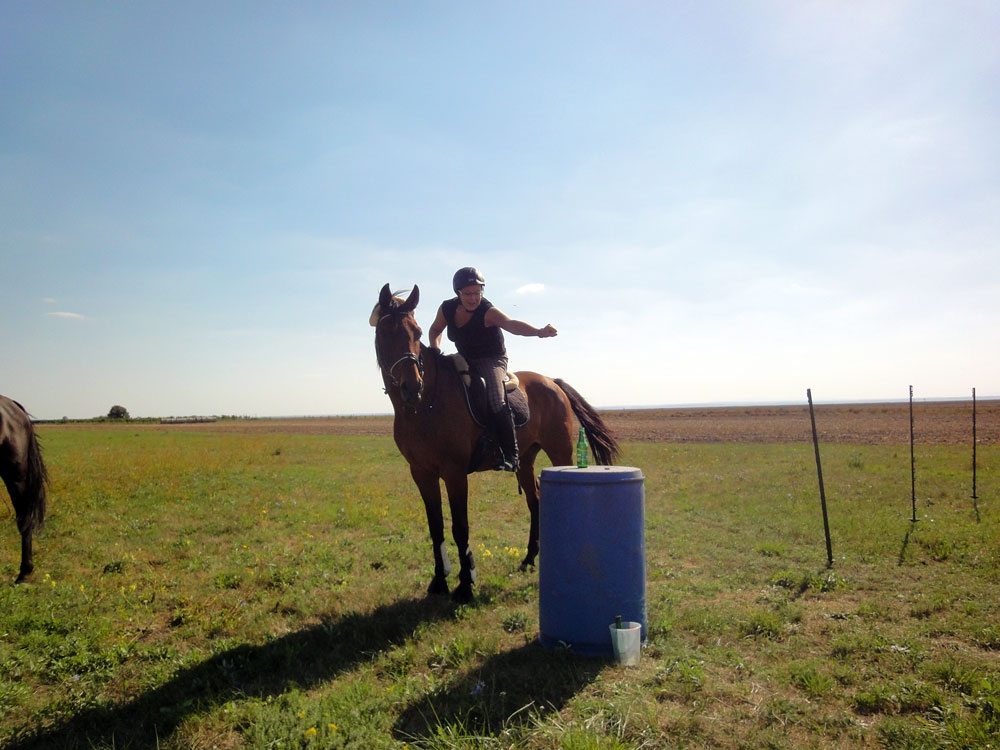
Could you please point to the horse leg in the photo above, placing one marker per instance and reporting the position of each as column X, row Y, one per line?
column 27, row 565
column 457, row 484
column 24, row 475
column 430, row 493
column 529, row 483
column 15, row 488
column 26, row 526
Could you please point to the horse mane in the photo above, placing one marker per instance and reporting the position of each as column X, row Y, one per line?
column 394, row 302
column 391, row 302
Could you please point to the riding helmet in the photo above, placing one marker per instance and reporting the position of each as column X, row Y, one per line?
column 466, row 277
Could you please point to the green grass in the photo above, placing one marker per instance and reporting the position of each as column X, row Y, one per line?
column 205, row 588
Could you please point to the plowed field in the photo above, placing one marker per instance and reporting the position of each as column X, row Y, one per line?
column 934, row 423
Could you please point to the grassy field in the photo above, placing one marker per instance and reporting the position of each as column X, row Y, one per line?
column 210, row 587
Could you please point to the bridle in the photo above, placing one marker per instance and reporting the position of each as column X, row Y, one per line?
column 418, row 361
column 408, row 357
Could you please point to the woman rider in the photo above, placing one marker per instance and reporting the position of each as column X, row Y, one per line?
column 476, row 328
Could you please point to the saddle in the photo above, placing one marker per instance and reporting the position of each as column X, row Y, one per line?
column 474, row 388
column 475, row 394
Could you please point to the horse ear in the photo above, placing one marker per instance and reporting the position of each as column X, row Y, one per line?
column 384, row 298
column 411, row 301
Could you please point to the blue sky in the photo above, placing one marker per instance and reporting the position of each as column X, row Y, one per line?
column 712, row 201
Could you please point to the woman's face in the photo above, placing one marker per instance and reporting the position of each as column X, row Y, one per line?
column 470, row 297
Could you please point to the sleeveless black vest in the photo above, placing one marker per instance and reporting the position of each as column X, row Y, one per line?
column 474, row 340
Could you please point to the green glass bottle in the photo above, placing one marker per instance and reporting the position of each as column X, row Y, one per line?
column 582, row 449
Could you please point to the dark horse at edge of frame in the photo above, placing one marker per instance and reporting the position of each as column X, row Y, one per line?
column 23, row 471
column 437, row 436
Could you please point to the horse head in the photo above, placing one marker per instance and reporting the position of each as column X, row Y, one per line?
column 397, row 344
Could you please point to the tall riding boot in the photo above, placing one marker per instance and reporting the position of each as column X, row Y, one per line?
column 504, row 421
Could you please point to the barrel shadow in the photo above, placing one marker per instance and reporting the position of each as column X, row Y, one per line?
column 509, row 690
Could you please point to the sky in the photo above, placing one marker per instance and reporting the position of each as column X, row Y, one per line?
column 713, row 202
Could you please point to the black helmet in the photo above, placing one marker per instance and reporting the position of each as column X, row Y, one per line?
column 466, row 277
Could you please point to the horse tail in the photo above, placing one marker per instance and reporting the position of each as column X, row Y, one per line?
column 602, row 440
column 31, row 514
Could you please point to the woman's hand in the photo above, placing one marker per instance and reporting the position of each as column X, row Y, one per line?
column 547, row 332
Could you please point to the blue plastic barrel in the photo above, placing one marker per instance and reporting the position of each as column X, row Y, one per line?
column 592, row 559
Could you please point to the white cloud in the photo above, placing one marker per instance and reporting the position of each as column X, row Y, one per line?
column 530, row 289
column 66, row 315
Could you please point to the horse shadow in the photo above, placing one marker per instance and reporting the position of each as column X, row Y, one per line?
column 510, row 689
column 302, row 660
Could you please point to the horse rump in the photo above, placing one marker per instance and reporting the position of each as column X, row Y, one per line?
column 24, row 474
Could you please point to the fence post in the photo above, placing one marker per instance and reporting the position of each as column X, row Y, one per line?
column 913, row 465
column 974, row 495
column 819, row 472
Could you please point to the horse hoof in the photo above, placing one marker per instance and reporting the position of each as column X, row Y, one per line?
column 462, row 594
column 437, row 587
column 526, row 566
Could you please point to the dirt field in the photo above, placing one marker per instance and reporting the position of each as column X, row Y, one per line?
column 934, row 423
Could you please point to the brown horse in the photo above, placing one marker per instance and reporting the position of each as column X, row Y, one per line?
column 23, row 471
column 437, row 435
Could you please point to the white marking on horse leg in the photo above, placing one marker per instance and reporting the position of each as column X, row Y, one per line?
column 472, row 564
column 445, row 562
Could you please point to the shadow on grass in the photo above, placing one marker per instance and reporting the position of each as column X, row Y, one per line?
column 301, row 659
column 505, row 694
column 906, row 545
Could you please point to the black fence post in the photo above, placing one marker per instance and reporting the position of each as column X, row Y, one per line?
column 913, row 465
column 974, row 495
column 819, row 472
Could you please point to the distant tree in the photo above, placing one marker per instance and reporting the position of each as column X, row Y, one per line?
column 118, row 412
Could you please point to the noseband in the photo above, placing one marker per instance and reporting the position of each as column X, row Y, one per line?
column 408, row 357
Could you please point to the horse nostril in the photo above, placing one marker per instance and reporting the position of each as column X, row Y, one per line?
column 411, row 392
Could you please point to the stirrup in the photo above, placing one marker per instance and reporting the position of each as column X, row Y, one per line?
column 503, row 463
